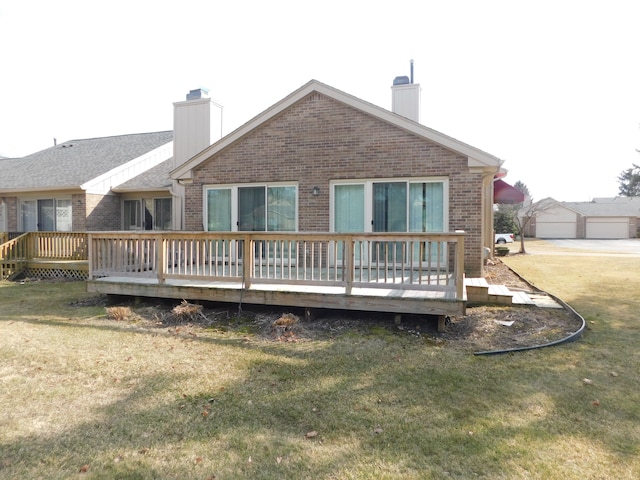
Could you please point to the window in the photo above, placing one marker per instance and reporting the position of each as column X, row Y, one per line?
column 162, row 218
column 147, row 214
column 132, row 215
column 251, row 208
column 394, row 205
column 46, row 215
column 398, row 205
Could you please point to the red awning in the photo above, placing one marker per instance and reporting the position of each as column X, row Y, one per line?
column 506, row 194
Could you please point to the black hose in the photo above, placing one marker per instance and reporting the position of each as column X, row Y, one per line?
column 571, row 338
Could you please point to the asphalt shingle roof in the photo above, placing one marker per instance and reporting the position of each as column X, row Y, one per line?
column 72, row 163
column 156, row 178
column 602, row 209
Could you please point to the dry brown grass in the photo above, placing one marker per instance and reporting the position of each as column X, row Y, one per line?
column 120, row 313
column 130, row 400
column 186, row 311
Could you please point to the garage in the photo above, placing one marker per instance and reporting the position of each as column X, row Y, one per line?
column 607, row 227
column 601, row 218
column 556, row 230
column 556, row 222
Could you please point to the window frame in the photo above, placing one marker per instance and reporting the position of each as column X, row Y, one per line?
column 368, row 198
column 35, row 200
column 234, row 205
column 141, row 205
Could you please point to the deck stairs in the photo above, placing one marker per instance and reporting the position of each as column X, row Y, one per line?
column 479, row 292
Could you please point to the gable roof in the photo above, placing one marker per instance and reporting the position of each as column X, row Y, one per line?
column 74, row 163
column 476, row 157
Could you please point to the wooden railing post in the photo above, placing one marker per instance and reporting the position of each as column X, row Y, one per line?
column 248, row 260
column 459, row 269
column 349, row 262
column 31, row 245
column 90, row 256
column 161, row 258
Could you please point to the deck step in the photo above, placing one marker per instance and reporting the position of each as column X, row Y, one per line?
column 480, row 292
column 522, row 298
column 499, row 295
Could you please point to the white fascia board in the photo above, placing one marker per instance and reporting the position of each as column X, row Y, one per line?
column 116, row 176
column 476, row 157
column 41, row 191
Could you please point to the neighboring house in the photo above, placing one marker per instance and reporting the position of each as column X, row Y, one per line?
column 109, row 183
column 604, row 218
column 322, row 160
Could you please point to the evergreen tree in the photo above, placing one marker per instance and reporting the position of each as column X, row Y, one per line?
column 629, row 182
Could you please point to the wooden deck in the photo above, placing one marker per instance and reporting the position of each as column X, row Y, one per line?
column 44, row 254
column 399, row 273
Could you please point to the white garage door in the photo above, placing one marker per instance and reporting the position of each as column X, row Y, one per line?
column 555, row 229
column 608, row 227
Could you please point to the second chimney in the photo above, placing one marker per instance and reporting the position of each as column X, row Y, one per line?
column 405, row 97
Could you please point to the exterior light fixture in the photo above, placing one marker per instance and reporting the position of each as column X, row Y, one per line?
column 315, row 191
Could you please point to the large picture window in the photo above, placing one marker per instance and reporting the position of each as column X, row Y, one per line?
column 251, row 208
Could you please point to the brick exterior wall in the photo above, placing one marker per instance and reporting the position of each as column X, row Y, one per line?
column 11, row 210
column 89, row 212
column 103, row 212
column 318, row 140
column 78, row 212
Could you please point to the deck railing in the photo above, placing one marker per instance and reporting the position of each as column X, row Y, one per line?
column 405, row 261
column 15, row 254
column 58, row 245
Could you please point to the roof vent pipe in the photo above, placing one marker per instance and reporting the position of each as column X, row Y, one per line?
column 411, row 63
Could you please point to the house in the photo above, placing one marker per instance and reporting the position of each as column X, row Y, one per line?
column 321, row 160
column 601, row 218
column 108, row 183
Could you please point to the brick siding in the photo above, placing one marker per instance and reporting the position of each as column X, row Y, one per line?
column 103, row 212
column 318, row 140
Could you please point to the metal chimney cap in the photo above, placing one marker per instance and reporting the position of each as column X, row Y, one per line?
column 404, row 80
column 197, row 94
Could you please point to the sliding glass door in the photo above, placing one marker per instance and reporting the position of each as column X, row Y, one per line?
column 46, row 215
column 253, row 208
column 398, row 205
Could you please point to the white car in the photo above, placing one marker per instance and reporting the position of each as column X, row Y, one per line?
column 504, row 237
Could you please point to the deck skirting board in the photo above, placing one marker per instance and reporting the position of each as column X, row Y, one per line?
column 303, row 296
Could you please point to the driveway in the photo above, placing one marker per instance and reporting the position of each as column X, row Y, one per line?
column 604, row 248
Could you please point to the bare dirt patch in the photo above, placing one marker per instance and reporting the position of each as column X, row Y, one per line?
column 482, row 328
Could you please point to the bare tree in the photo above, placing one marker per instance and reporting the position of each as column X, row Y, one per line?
column 526, row 213
column 521, row 214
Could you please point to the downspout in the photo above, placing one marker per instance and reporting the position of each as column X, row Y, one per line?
column 487, row 221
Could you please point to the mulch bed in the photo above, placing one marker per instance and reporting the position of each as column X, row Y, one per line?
column 482, row 328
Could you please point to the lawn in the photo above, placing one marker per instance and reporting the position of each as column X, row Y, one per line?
column 82, row 396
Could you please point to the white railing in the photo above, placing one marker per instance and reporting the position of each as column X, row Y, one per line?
column 405, row 261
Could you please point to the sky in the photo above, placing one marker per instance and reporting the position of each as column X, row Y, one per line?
column 552, row 87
